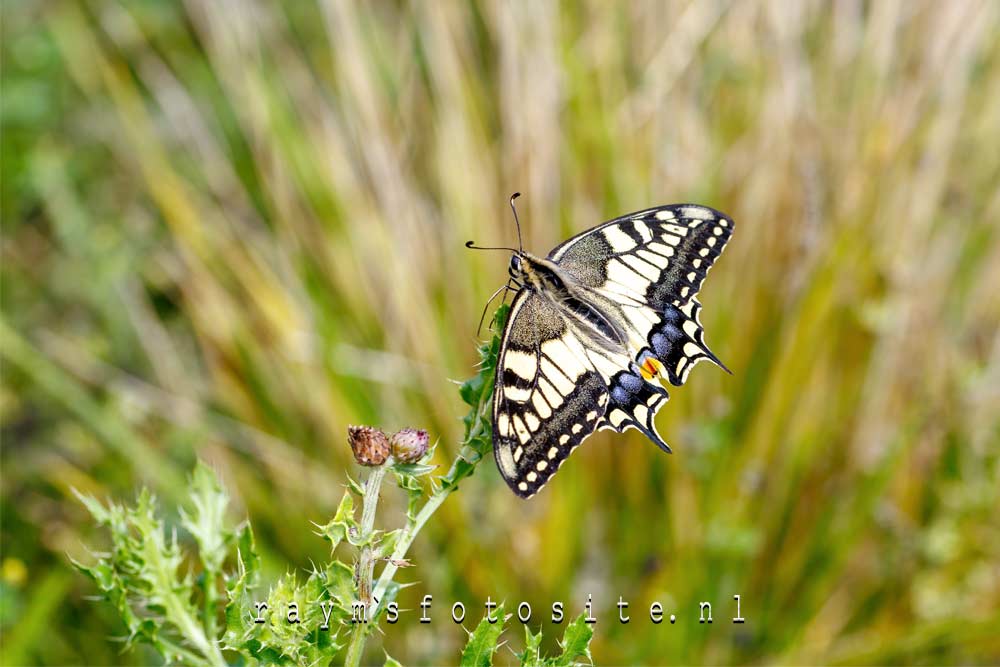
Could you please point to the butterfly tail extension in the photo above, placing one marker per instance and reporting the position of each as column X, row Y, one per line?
column 678, row 342
column 633, row 404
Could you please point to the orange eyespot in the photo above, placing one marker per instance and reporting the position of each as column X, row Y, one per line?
column 650, row 368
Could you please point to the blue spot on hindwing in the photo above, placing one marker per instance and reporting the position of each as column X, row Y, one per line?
column 631, row 383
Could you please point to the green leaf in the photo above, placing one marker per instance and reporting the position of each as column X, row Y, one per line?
column 414, row 492
column 530, row 657
column 387, row 543
column 390, row 595
column 96, row 509
column 281, row 642
column 575, row 643
column 471, row 390
column 475, row 389
column 476, row 393
column 343, row 525
column 141, row 577
column 412, row 469
column 354, row 487
column 240, row 587
column 483, row 641
column 206, row 523
column 391, row 662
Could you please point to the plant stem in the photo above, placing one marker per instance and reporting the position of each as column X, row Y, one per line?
column 431, row 506
column 357, row 647
column 211, row 603
column 404, row 542
column 185, row 656
column 370, row 500
column 358, row 638
column 192, row 631
column 366, row 562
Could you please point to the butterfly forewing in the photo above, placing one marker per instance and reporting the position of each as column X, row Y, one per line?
column 548, row 395
column 635, row 279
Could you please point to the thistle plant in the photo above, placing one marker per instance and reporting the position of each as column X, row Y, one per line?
column 223, row 615
column 485, row 639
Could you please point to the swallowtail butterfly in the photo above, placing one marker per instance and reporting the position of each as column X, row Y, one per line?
column 593, row 328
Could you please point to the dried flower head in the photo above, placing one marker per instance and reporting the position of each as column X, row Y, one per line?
column 370, row 445
column 409, row 444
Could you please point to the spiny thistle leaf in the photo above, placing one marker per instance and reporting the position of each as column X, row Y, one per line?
column 412, row 469
column 343, row 524
column 476, row 392
column 354, row 487
column 240, row 587
column 530, row 656
column 414, row 493
column 475, row 389
column 295, row 631
column 206, row 523
column 143, row 566
column 575, row 643
column 483, row 640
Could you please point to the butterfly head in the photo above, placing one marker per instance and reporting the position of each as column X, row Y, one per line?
column 516, row 269
column 536, row 273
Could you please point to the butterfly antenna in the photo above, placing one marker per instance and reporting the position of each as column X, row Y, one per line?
column 520, row 243
column 473, row 246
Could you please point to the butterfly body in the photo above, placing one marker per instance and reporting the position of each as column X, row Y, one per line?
column 586, row 308
column 594, row 327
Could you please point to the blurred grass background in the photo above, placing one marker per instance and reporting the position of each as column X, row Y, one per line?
column 230, row 229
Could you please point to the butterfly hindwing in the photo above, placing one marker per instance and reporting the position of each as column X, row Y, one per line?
column 651, row 265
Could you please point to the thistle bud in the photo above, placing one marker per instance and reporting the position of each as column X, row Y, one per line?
column 409, row 444
column 370, row 446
